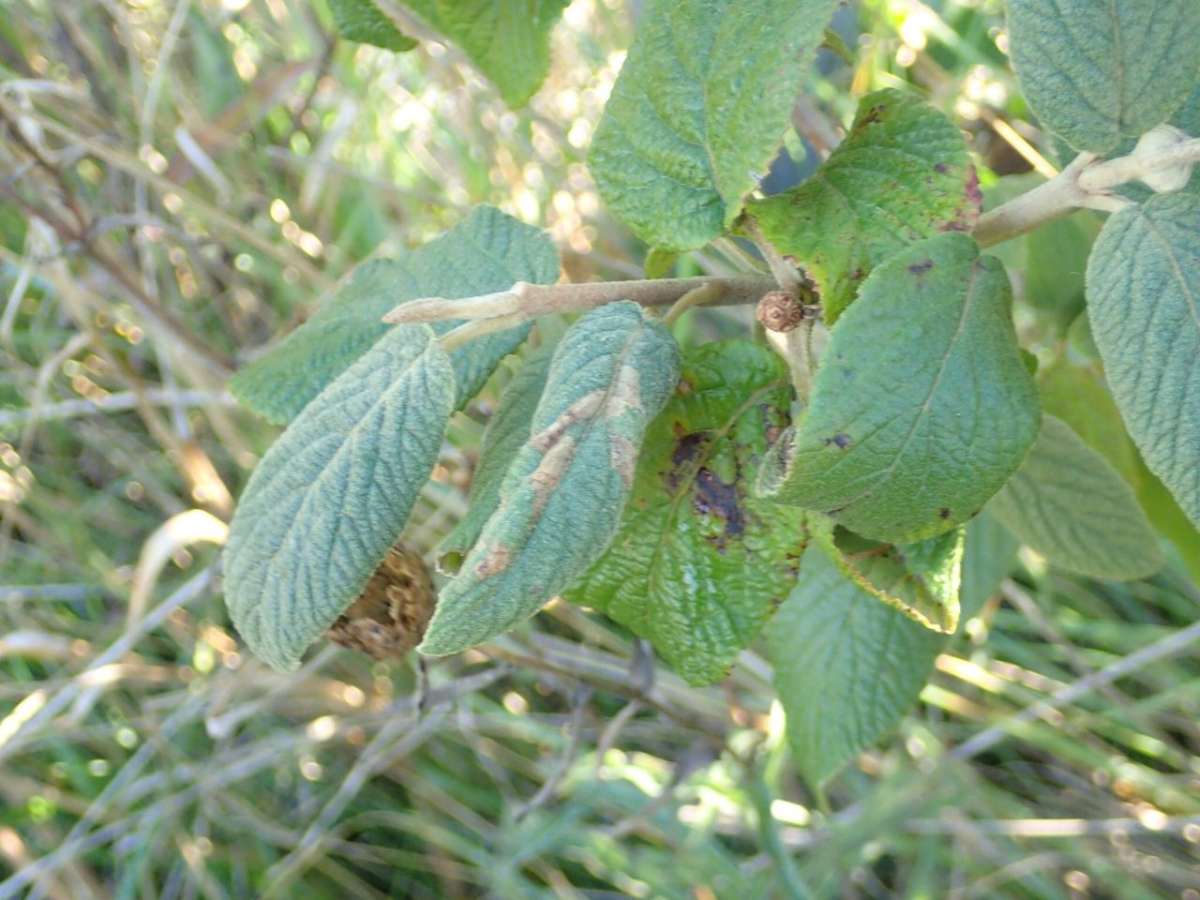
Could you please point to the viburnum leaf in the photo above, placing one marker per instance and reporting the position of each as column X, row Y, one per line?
column 847, row 667
column 1099, row 74
column 1075, row 392
column 921, row 580
column 922, row 407
column 365, row 22
column 508, row 40
column 561, row 500
column 699, row 110
column 487, row 252
column 1067, row 503
column 902, row 174
column 988, row 556
column 332, row 495
column 506, row 433
column 1143, row 286
column 700, row 563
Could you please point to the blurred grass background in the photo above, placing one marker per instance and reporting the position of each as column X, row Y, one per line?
column 180, row 181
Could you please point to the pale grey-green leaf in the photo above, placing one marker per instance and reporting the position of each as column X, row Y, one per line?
column 699, row 110
column 922, row 407
column 505, row 435
column 562, row 498
column 1067, row 503
column 488, row 251
column 1099, row 73
column 1143, row 286
column 847, row 667
column 333, row 493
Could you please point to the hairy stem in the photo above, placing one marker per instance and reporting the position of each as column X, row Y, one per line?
column 1086, row 183
column 529, row 300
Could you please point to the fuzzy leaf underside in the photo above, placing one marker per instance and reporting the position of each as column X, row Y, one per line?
column 699, row 110
column 699, row 563
column 333, row 493
column 505, row 435
column 1143, row 287
column 487, row 252
column 902, row 174
column 922, row 407
column 562, row 498
column 366, row 23
column 507, row 40
column 1067, row 503
column 1099, row 74
column 847, row 667
column 921, row 579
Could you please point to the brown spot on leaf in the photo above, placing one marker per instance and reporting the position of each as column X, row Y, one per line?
column 921, row 268
column 873, row 115
column 721, row 499
column 839, row 440
column 495, row 562
column 624, row 459
column 583, row 408
column 944, row 512
column 687, row 448
column 549, row 473
column 941, row 168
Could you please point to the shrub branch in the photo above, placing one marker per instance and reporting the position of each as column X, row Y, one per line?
column 1087, row 183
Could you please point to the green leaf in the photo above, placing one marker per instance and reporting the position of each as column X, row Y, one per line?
column 1144, row 306
column 847, row 667
column 1067, row 503
column 699, row 563
column 508, row 40
column 487, row 252
column 1168, row 519
column 902, row 174
column 989, row 555
column 1099, row 74
column 699, row 110
column 921, row 579
column 363, row 21
column 561, row 500
column 1076, row 393
column 922, row 407
column 503, row 438
column 1055, row 265
column 333, row 493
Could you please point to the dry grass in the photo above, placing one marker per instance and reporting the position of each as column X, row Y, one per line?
column 179, row 181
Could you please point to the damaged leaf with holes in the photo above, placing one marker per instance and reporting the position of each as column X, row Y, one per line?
column 700, row 563
column 562, row 497
column 902, row 174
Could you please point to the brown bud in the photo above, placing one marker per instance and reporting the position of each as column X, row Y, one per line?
column 391, row 614
column 780, row 311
